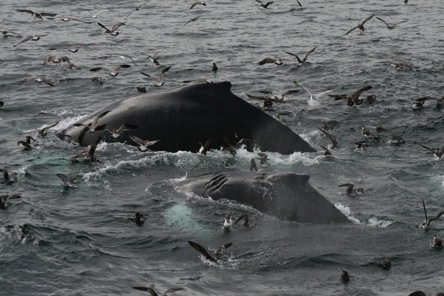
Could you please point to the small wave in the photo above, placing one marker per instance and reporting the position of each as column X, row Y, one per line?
column 347, row 212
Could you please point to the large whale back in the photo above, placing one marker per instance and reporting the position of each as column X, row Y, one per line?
column 287, row 196
column 182, row 118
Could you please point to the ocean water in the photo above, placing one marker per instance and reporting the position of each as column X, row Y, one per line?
column 80, row 241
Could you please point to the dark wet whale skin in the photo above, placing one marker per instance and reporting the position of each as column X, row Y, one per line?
column 182, row 118
column 287, row 196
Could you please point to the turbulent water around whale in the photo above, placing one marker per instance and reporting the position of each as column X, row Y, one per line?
column 80, row 241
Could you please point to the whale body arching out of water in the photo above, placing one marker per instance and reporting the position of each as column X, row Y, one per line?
column 182, row 118
column 287, row 196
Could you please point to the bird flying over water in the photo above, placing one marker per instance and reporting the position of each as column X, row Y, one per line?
column 360, row 26
column 353, row 98
column 39, row 15
column 29, row 38
column 390, row 26
column 264, row 5
column 305, row 58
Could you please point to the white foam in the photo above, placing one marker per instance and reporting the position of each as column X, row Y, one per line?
column 347, row 212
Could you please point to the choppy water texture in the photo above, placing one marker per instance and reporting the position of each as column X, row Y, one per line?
column 80, row 241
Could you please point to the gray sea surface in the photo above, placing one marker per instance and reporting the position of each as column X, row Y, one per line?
column 80, row 241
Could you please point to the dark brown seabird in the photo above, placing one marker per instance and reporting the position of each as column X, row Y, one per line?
column 360, row 26
column 390, row 26
column 353, row 98
column 305, row 58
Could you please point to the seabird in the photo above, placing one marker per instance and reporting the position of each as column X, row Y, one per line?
column 420, row 102
column 39, row 15
column 305, row 58
column 427, row 221
column 1, row 104
column 326, row 151
column 93, row 124
column 113, row 30
column 153, row 293
column 334, row 142
column 436, row 151
column 390, row 26
column 197, row 3
column 344, row 276
column 143, row 144
column 360, row 144
column 111, row 71
column 214, row 68
column 154, row 60
column 299, row 3
column 58, row 60
column 351, row 190
column 97, row 79
column 353, row 98
column 37, row 79
column 139, row 219
column 274, row 60
column 228, row 220
column 206, row 254
column 5, row 198
column 28, row 38
column 246, row 221
column 437, row 242
column 385, row 263
column 397, row 65
column 360, row 26
column 42, row 130
column 116, row 133
column 27, row 143
column 396, row 140
column 205, row 147
column 9, row 34
column 264, row 5
column 9, row 177
column 159, row 81
column 68, row 181
column 89, row 153
column 263, row 159
column 191, row 20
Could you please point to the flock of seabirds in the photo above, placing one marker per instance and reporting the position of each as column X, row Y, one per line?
column 267, row 100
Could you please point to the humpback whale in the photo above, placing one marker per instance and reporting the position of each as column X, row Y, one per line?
column 287, row 196
column 181, row 119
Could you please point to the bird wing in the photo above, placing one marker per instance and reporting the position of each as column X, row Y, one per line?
column 94, row 146
column 64, row 178
column 308, row 53
column 26, row 10
column 124, row 127
column 290, row 53
column 171, row 290
column 428, row 148
column 351, row 30
column 48, row 14
column 146, row 289
column 331, row 137
column 116, row 26
column 99, row 69
column 399, row 23
column 383, row 22
column 367, row 19
column 222, row 248
column 27, row 38
column 357, row 93
column 242, row 217
column 266, row 60
column 260, row 98
column 106, row 29
column 203, row 251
